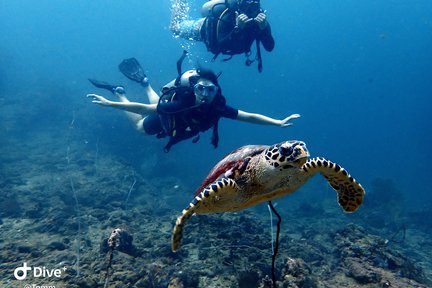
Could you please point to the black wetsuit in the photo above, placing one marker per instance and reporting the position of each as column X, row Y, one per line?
column 222, row 36
column 182, row 119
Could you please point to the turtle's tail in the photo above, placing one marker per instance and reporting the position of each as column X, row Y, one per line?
column 178, row 228
column 350, row 192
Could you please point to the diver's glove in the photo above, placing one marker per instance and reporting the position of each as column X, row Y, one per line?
column 261, row 20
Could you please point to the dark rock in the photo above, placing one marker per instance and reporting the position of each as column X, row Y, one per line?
column 190, row 279
column 297, row 272
column 24, row 249
column 296, row 268
column 56, row 246
column 165, row 251
column 36, row 254
column 254, row 257
column 362, row 273
column 122, row 242
column 248, row 279
column 309, row 282
column 203, row 254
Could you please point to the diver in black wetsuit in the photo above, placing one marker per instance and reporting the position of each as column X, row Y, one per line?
column 227, row 27
column 190, row 104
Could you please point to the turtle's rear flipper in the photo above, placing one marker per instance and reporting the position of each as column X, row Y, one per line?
column 132, row 69
column 178, row 228
column 207, row 193
column 350, row 192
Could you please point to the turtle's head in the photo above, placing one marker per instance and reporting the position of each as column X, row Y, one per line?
column 287, row 154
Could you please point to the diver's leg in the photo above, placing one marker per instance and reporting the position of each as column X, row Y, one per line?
column 152, row 96
column 133, row 117
column 133, row 70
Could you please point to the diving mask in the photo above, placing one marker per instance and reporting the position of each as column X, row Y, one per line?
column 250, row 7
column 205, row 91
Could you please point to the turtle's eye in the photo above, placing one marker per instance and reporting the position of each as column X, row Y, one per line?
column 286, row 151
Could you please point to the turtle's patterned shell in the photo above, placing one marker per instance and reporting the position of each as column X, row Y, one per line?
column 231, row 163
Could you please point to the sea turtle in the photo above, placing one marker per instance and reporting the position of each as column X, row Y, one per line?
column 254, row 174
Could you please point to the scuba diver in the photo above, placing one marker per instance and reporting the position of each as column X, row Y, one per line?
column 228, row 27
column 190, row 104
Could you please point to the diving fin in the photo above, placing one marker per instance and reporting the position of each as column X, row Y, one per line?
column 132, row 69
column 103, row 85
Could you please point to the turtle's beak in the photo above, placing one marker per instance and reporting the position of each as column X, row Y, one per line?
column 295, row 150
column 301, row 153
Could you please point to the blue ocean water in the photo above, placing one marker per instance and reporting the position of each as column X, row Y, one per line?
column 358, row 72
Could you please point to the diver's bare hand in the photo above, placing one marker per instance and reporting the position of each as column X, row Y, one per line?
column 97, row 99
column 261, row 20
column 285, row 122
column 241, row 20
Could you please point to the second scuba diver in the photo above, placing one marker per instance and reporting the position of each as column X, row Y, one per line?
column 227, row 27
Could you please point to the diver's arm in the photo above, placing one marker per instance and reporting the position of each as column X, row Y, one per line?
column 267, row 39
column 265, row 120
column 134, row 107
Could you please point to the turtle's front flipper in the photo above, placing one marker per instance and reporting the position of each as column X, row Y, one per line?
column 207, row 193
column 350, row 192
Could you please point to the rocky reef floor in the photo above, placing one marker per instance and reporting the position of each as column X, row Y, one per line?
column 60, row 205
